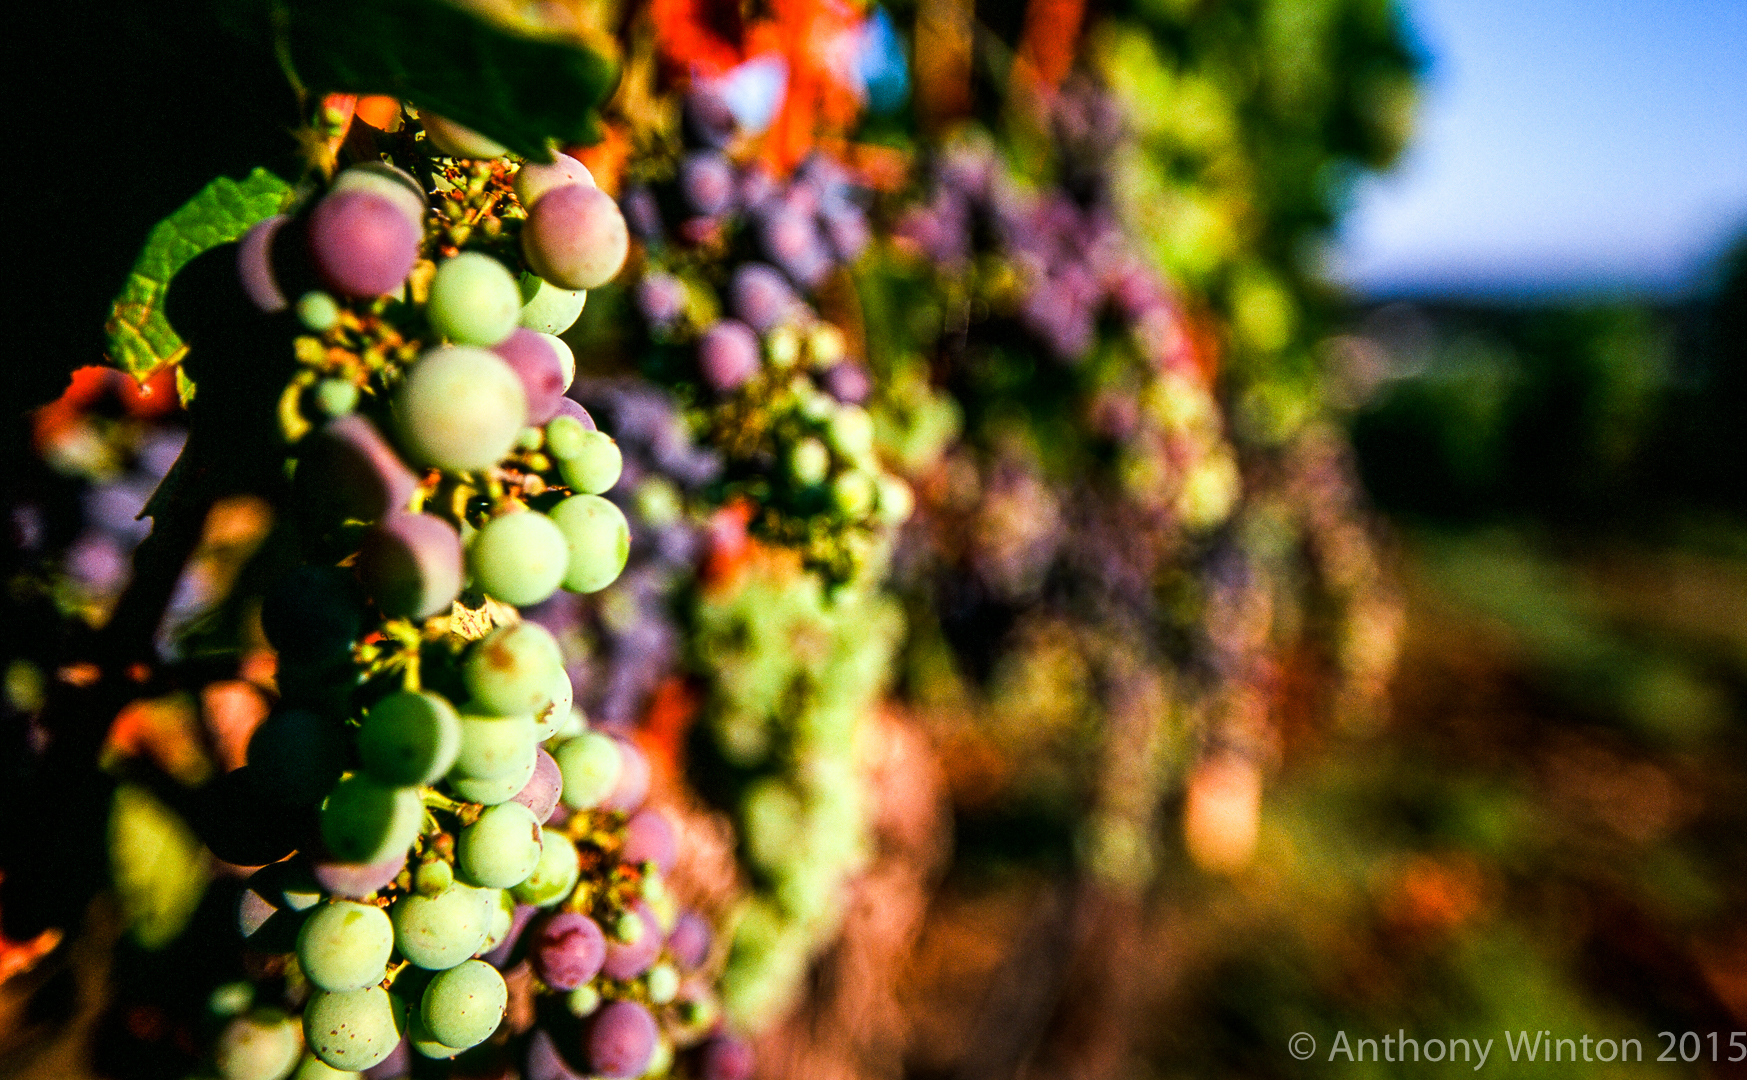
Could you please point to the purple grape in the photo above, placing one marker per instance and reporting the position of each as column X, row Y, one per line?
column 410, row 565
column 569, row 407
column 700, row 230
column 760, row 296
column 255, row 265
column 160, row 450
column 792, row 241
column 346, row 469
column 544, row 1062
column 569, row 950
column 633, row 786
column 649, row 837
column 540, row 793
column 312, row 614
column 362, row 243
column 727, row 1058
column 757, row 188
column 625, row 962
column 706, row 179
column 848, row 382
column 117, row 509
column 537, row 364
column 642, row 213
column 621, row 1040
column 847, row 232
column 397, row 1064
column 728, row 355
column 689, row 944
column 708, row 120
column 661, row 298
column 519, row 920
column 97, row 563
column 355, row 881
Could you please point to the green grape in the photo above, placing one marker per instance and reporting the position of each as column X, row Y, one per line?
column 590, row 764
column 318, row 312
column 438, row 932
column 460, row 409
column 352, row 1030
column 433, row 878
column 365, row 821
column 464, row 1005
column 896, row 499
column 554, row 875
column 501, row 848
column 809, row 462
column 409, row 738
column 599, row 539
column 336, row 397
column 851, row 432
column 501, row 919
column 595, row 466
column 518, row 558
column 853, row 492
column 512, row 671
column 345, row 945
column 494, row 746
column 489, row 791
column 424, row 1043
column 314, row 1068
column 231, row 999
column 473, row 300
column 584, row 1000
column 564, row 436
column 261, row 1046
column 548, row 309
column 452, row 140
column 663, row 983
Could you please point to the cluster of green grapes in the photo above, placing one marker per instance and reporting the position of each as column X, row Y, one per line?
column 793, row 674
column 430, row 807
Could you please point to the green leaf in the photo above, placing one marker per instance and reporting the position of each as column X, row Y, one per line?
column 525, row 92
column 141, row 339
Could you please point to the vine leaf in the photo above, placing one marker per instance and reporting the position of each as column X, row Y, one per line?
column 141, row 339
column 524, row 91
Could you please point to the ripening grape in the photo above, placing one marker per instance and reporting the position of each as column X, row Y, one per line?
column 661, row 298
column 501, row 848
column 760, row 296
column 544, row 1062
column 570, row 408
column 438, row 932
column 513, row 670
column 462, row 1006
column 568, row 950
column 848, row 382
column 473, row 300
column 649, row 837
column 633, row 783
column 519, row 558
column 595, row 464
column 621, row 1040
column 495, row 746
column 355, row 881
column 575, row 237
column 255, row 265
column 345, row 945
column 352, row 1029
column 263, row 1045
column 409, row 738
column 410, row 564
column 599, row 539
column 489, row 791
column 629, row 959
column 540, row 793
column 689, row 943
column 727, row 1058
column 728, row 355
column 548, row 309
column 395, row 185
column 534, row 180
column 452, row 140
column 296, row 756
column 590, row 765
column 554, row 875
column 460, row 408
column 366, row 821
column 540, row 368
column 566, row 358
column 312, row 614
column 706, row 180
column 346, row 470
column 362, row 244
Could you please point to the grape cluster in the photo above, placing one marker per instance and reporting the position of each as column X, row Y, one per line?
column 432, row 809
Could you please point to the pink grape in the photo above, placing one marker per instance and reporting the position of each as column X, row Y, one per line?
column 255, row 265
column 539, row 367
column 689, row 944
column 347, row 469
column 355, row 881
column 410, row 565
column 649, row 837
column 575, row 237
column 568, row 407
column 728, row 355
column 569, row 950
column 621, row 1040
column 362, row 243
column 727, row 1058
column 540, row 793
column 760, row 296
column 627, row 961
column 533, row 182
column 707, row 180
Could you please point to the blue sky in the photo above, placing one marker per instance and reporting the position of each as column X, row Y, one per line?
column 1563, row 146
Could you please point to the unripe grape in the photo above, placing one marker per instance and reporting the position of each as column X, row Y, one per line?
column 575, row 237
column 594, row 465
column 489, row 791
column 533, row 181
column 548, row 309
column 627, row 960
column 851, row 432
column 261, row 1046
column 364, row 821
column 335, row 397
column 438, row 932
column 809, row 462
column 409, row 738
column 519, row 558
column 554, row 875
column 599, row 539
column 352, row 1029
column 501, row 848
column 494, row 746
column 473, row 300
column 460, row 409
column 853, row 493
column 512, row 671
column 564, row 437
column 462, row 1006
column 452, row 140
column 590, row 765
column 362, row 243
column 255, row 265
column 663, row 983
column 345, row 945
column 410, row 564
